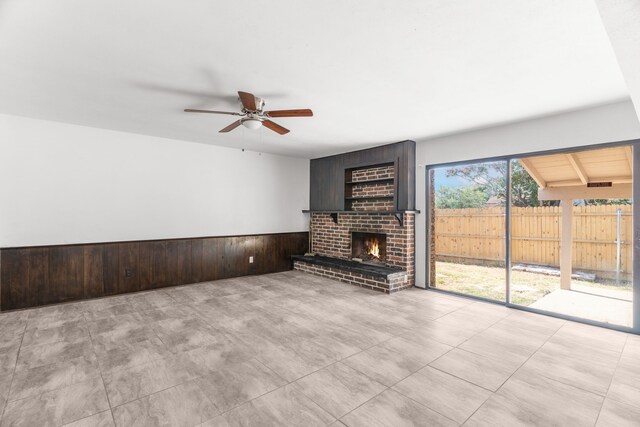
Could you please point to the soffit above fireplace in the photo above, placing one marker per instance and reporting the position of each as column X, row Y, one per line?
column 329, row 177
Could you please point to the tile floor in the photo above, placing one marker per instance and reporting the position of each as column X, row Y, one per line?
column 299, row 350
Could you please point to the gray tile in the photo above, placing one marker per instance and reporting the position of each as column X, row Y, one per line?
column 617, row 414
column 110, row 311
column 127, row 354
column 45, row 334
column 285, row 361
column 446, row 333
column 533, row 322
column 58, row 407
column 511, row 345
column 391, row 409
column 125, row 385
column 587, row 371
column 632, row 346
column 339, row 389
column 477, row 369
column 45, row 354
column 35, row 381
column 185, row 333
column 443, row 393
column 233, row 384
column 101, row 419
column 183, row 405
column 8, row 358
column 586, row 335
column 625, row 386
column 396, row 359
column 286, row 406
column 5, row 384
column 529, row 398
column 54, row 316
column 498, row 411
column 239, row 341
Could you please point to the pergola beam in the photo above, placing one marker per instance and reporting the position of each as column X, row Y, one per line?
column 628, row 151
column 577, row 182
column 577, row 167
column 528, row 166
column 617, row 191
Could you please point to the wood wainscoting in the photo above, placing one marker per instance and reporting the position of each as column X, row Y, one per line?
column 33, row 276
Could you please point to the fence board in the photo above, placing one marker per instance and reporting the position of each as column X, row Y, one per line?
column 479, row 234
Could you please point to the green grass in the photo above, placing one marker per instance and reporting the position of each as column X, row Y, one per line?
column 526, row 288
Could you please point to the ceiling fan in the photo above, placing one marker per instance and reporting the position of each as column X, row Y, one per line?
column 254, row 116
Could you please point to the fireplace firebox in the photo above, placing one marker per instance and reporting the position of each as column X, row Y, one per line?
column 369, row 247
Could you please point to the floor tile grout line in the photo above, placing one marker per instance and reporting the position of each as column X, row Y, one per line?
column 397, row 391
column 613, row 376
column 13, row 376
column 520, row 367
column 363, row 403
column 419, row 403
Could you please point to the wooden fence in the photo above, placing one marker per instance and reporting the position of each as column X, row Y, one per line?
column 477, row 235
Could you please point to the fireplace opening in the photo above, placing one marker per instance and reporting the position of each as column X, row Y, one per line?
column 369, row 247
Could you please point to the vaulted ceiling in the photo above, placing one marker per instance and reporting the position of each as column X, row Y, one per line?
column 373, row 72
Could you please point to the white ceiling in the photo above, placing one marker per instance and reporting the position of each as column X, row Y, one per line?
column 373, row 72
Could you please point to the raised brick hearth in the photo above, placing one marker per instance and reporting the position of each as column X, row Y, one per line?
column 334, row 240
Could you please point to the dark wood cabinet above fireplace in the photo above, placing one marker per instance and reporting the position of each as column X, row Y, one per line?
column 333, row 188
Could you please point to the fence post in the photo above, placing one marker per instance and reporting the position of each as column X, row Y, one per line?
column 566, row 242
column 618, row 245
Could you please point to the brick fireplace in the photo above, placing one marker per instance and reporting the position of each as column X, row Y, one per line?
column 362, row 218
column 334, row 240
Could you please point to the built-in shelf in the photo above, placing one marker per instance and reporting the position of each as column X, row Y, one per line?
column 370, row 181
column 370, row 198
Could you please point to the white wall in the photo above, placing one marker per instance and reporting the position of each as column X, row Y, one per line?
column 608, row 123
column 63, row 183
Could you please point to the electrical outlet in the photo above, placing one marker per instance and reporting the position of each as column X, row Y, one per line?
column 128, row 272
column 250, row 260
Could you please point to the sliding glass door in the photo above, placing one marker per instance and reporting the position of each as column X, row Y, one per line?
column 552, row 233
column 571, row 234
column 468, row 221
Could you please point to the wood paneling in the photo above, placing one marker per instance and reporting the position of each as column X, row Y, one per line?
column 66, row 274
column 128, row 261
column 14, row 278
column 46, row 275
column 93, row 271
column 213, row 258
column 196, row 261
column 327, row 174
column 40, row 286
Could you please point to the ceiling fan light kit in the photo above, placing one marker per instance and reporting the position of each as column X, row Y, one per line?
column 254, row 116
column 251, row 123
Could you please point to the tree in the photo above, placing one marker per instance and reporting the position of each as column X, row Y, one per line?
column 460, row 198
column 490, row 177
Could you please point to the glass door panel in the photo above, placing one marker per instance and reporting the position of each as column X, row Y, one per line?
column 467, row 222
column 571, row 234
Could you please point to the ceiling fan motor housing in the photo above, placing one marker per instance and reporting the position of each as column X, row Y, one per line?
column 259, row 103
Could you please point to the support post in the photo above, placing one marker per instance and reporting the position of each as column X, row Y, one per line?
column 566, row 243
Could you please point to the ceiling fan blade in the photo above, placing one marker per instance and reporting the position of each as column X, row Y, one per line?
column 193, row 110
column 231, row 127
column 290, row 113
column 248, row 100
column 275, row 127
